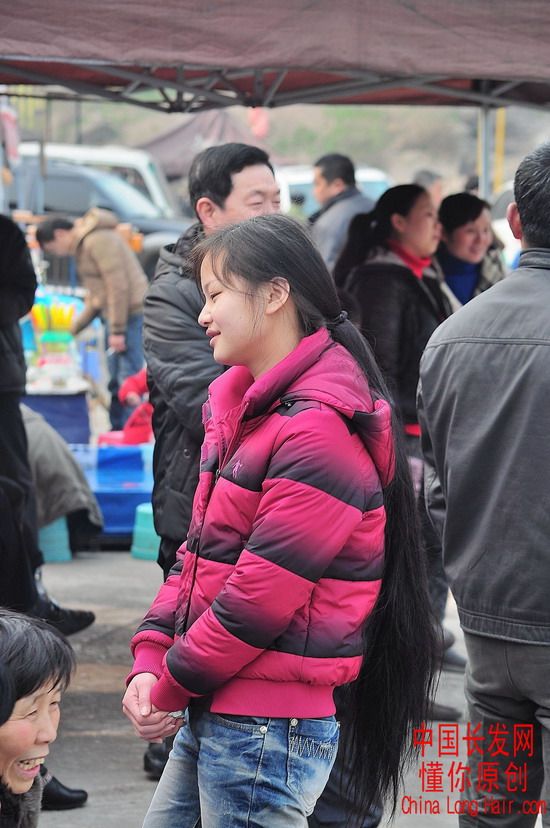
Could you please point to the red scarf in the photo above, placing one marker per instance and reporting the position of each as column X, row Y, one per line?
column 417, row 264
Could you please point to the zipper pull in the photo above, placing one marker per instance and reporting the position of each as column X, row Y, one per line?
column 217, row 476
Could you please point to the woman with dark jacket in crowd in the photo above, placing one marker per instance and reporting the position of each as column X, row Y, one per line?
column 400, row 300
column 386, row 266
column 468, row 256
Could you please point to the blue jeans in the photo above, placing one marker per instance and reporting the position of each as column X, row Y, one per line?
column 123, row 365
column 244, row 772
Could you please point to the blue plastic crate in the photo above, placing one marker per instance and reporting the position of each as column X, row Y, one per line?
column 121, row 477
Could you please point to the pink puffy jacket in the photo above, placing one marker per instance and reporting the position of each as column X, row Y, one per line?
column 264, row 610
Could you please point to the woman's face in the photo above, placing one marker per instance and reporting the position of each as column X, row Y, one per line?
column 233, row 319
column 26, row 736
column 419, row 232
column 471, row 241
column 243, row 324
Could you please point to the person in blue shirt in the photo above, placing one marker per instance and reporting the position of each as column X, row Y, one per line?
column 468, row 255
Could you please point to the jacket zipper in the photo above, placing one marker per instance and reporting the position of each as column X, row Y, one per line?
column 233, row 445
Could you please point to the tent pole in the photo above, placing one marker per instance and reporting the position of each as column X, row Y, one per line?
column 484, row 151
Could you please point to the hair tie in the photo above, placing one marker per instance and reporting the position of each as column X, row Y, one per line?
column 342, row 316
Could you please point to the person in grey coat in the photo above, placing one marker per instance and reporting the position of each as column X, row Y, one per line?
column 340, row 200
column 483, row 399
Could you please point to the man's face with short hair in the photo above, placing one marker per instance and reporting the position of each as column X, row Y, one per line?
column 61, row 244
column 324, row 190
column 255, row 193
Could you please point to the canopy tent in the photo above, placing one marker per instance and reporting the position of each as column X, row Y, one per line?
column 186, row 55
column 176, row 148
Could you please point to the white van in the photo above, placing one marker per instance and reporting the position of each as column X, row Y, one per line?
column 137, row 167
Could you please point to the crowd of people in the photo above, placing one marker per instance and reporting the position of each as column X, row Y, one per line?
column 348, row 420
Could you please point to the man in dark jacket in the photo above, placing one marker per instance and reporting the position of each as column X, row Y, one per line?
column 227, row 184
column 483, row 398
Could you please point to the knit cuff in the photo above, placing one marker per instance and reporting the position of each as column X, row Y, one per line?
column 148, row 657
column 168, row 695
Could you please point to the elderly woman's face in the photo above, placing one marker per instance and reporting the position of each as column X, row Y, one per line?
column 26, row 736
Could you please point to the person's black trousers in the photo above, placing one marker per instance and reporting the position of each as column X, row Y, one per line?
column 508, row 693
column 14, row 467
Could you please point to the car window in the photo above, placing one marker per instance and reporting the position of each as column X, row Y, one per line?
column 373, row 189
column 302, row 200
column 124, row 199
column 67, row 194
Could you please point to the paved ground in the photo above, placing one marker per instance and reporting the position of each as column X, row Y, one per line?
column 96, row 748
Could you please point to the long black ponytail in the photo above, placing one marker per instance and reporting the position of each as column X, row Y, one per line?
column 367, row 231
column 391, row 693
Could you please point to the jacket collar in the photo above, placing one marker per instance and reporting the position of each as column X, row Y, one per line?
column 349, row 192
column 535, row 257
column 237, row 386
column 317, row 369
column 95, row 219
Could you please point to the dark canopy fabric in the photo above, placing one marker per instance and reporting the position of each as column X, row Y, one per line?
column 175, row 149
column 191, row 54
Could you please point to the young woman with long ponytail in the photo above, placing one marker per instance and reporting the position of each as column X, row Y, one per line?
column 301, row 571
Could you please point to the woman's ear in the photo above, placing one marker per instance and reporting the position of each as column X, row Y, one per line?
column 278, row 291
column 397, row 222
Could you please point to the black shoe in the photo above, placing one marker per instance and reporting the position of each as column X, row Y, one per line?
column 67, row 621
column 452, row 661
column 58, row 797
column 443, row 713
column 156, row 757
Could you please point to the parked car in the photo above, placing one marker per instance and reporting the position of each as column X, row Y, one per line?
column 136, row 167
column 71, row 190
column 296, row 184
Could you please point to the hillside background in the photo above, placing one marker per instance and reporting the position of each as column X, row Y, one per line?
column 398, row 139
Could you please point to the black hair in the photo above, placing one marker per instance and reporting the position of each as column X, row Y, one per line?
column 45, row 231
column 211, row 170
column 391, row 694
column 532, row 196
column 334, row 166
column 7, row 693
column 34, row 653
column 368, row 231
column 460, row 208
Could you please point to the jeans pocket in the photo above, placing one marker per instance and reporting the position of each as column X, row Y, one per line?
column 312, row 746
column 248, row 724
